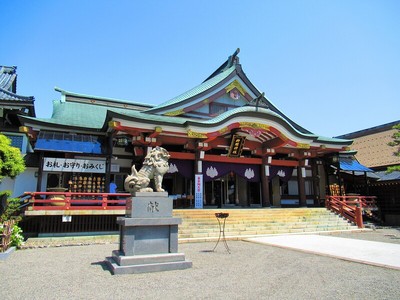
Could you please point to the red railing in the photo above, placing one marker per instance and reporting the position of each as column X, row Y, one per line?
column 75, row 201
column 351, row 207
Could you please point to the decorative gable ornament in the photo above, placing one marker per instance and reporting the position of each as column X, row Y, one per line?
column 234, row 94
column 259, row 101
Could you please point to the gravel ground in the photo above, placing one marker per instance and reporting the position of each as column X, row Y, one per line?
column 251, row 271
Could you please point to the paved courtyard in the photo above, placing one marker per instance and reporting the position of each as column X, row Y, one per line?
column 251, row 271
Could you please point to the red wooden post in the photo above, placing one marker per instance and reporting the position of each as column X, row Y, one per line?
column 105, row 198
column 359, row 217
column 67, row 200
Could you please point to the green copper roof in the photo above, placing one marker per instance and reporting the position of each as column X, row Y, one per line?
column 197, row 90
column 93, row 116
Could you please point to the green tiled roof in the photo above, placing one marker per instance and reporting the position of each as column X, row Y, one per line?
column 93, row 116
column 197, row 90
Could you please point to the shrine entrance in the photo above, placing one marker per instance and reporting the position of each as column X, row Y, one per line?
column 231, row 191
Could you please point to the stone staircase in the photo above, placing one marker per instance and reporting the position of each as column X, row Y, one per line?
column 202, row 225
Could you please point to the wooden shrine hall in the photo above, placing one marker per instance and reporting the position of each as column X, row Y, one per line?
column 229, row 145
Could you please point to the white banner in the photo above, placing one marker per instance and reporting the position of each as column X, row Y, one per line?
column 198, row 192
column 74, row 165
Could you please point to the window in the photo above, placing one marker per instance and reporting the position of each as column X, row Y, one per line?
column 16, row 141
column 217, row 109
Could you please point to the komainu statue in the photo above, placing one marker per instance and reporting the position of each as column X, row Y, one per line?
column 155, row 165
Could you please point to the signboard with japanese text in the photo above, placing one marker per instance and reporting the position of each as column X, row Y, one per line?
column 236, row 147
column 198, row 192
column 74, row 165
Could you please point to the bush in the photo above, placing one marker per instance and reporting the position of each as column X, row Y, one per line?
column 17, row 239
column 11, row 209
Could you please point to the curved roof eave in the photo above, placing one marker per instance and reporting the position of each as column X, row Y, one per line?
column 245, row 111
column 143, row 117
column 252, row 111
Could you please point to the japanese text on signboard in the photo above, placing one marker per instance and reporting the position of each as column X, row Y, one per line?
column 198, row 196
column 74, row 165
column 236, row 147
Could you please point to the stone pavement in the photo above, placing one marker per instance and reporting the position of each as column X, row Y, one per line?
column 367, row 252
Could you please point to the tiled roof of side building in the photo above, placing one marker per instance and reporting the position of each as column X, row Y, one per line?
column 384, row 176
column 86, row 115
column 372, row 146
column 7, row 77
column 8, row 96
column 77, row 115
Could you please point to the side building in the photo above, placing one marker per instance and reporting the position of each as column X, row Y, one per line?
column 13, row 105
column 374, row 152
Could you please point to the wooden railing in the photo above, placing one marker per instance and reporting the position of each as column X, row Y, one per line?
column 75, row 201
column 351, row 207
column 5, row 235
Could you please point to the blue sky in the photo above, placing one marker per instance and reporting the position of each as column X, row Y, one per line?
column 331, row 66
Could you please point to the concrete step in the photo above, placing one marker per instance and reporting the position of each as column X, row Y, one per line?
column 202, row 224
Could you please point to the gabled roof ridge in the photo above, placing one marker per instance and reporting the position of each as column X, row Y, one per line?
column 370, row 130
column 232, row 60
column 91, row 97
column 205, row 85
column 242, row 75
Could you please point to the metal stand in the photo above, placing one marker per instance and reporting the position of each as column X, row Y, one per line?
column 222, row 216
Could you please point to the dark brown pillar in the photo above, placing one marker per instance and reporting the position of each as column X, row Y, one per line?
column 266, row 202
column 301, row 183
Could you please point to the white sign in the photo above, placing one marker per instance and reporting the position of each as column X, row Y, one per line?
column 198, row 191
column 74, row 165
column 67, row 218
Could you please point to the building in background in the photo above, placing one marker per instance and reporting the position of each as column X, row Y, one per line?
column 13, row 105
column 374, row 152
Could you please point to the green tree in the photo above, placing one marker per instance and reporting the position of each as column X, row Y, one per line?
column 395, row 143
column 11, row 164
column 11, row 161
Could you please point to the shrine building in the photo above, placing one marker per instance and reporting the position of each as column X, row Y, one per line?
column 230, row 146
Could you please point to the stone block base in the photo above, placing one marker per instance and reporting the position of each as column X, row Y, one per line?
column 120, row 264
column 148, row 237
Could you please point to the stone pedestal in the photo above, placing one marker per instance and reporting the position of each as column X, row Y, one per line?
column 148, row 237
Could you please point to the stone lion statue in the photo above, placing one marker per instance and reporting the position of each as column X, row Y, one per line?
column 155, row 165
